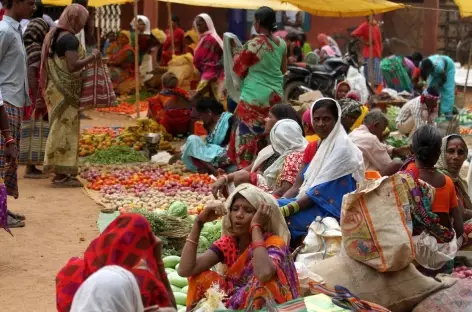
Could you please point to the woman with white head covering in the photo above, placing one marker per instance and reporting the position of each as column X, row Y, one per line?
column 208, row 59
column 331, row 168
column 252, row 252
column 276, row 165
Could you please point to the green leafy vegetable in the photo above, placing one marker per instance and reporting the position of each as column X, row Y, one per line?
column 392, row 113
column 115, row 155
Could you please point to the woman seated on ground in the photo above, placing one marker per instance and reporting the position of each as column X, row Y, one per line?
column 420, row 111
column 121, row 65
column 286, row 138
column 252, row 252
column 294, row 53
column 331, row 168
column 111, row 44
column 438, row 211
column 171, row 106
column 209, row 155
column 352, row 113
column 118, row 253
column 269, row 158
column 454, row 152
column 308, row 127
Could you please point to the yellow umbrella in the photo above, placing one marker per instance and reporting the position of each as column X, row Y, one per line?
column 92, row 3
column 347, row 8
column 465, row 7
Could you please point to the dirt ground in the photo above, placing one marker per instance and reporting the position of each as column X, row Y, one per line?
column 60, row 224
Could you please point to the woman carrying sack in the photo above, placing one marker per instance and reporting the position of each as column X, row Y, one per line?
column 35, row 127
column 62, row 60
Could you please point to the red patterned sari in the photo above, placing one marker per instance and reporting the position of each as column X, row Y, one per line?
column 127, row 242
column 239, row 282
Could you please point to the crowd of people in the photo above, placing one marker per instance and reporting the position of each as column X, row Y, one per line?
column 277, row 169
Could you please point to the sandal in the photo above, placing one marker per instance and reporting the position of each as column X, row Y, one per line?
column 15, row 223
column 17, row 216
column 68, row 182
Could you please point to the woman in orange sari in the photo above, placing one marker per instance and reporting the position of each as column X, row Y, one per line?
column 121, row 65
column 252, row 252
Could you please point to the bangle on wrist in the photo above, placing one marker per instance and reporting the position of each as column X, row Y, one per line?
column 192, row 241
column 11, row 140
column 258, row 244
column 254, row 226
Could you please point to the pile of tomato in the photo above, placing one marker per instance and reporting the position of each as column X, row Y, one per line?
column 125, row 108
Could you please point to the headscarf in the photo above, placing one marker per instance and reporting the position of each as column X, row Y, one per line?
column 255, row 196
column 192, row 34
column 350, row 107
column 126, row 33
column 307, row 118
column 159, row 35
column 127, row 242
column 73, row 19
column 253, row 31
column 33, row 38
column 147, row 24
column 337, row 156
column 286, row 137
column 111, row 288
column 232, row 81
column 323, row 39
column 355, row 95
column 342, row 83
column 210, row 32
column 443, row 167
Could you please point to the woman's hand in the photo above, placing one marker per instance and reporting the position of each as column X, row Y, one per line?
column 213, row 210
column 217, row 186
column 262, row 216
column 11, row 153
column 96, row 53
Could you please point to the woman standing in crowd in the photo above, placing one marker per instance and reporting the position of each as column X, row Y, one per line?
column 331, row 168
column 253, row 252
column 121, row 65
column 454, row 152
column 127, row 247
column 208, row 59
column 62, row 59
column 32, row 142
column 440, row 72
column 261, row 63
column 179, row 42
column 209, row 155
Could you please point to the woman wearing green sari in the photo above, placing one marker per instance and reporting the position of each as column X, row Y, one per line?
column 62, row 60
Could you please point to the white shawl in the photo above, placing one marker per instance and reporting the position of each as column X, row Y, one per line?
column 336, row 157
column 112, row 288
column 211, row 30
column 147, row 23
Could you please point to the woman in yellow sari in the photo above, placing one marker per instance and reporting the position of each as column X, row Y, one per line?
column 62, row 59
column 252, row 253
column 121, row 65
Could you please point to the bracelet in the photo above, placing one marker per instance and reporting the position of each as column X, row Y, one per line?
column 255, row 245
column 191, row 241
column 295, row 206
column 9, row 141
column 254, row 226
column 285, row 211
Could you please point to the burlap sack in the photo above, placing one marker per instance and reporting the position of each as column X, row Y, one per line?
column 398, row 291
column 375, row 224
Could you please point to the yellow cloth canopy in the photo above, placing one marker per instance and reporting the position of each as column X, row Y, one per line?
column 92, row 3
column 347, row 8
column 239, row 4
column 465, row 7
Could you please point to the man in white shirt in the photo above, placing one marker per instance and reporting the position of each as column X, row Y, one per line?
column 377, row 155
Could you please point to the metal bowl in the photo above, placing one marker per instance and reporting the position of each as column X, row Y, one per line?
column 153, row 138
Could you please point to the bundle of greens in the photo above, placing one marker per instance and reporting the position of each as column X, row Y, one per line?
column 392, row 113
column 115, row 155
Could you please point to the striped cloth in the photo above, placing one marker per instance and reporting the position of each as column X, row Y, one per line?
column 9, row 174
column 377, row 73
column 34, row 135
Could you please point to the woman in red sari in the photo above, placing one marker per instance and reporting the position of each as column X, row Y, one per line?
column 179, row 42
column 121, row 64
column 127, row 242
column 252, row 254
column 171, row 106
